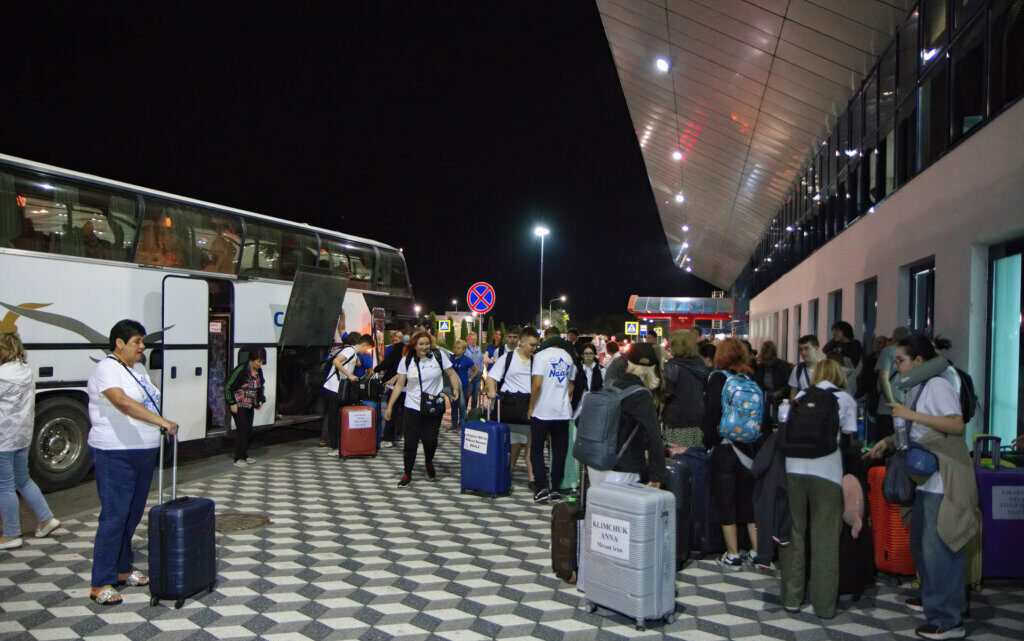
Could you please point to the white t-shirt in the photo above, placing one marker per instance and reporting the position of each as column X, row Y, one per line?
column 432, row 383
column 518, row 378
column 111, row 428
column 804, row 380
column 938, row 398
column 558, row 370
column 830, row 466
column 349, row 362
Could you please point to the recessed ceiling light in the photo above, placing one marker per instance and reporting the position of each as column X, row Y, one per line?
column 686, row 228
column 661, row 64
column 680, row 198
column 689, row 269
column 677, row 155
column 686, row 245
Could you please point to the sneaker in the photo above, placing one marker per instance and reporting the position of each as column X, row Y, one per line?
column 322, row 443
column 754, row 559
column 792, row 610
column 915, row 604
column 541, row 496
column 240, row 463
column 555, row 496
column 250, row 460
column 406, row 479
column 933, row 631
column 13, row 544
column 387, row 443
column 730, row 561
column 431, row 472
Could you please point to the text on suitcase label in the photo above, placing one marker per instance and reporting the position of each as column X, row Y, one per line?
column 360, row 420
column 475, row 441
column 1008, row 502
column 609, row 536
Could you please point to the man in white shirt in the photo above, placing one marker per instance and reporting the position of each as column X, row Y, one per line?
column 510, row 375
column 800, row 379
column 550, row 410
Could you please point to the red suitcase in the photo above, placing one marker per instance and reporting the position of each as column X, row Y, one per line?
column 891, row 538
column 358, row 431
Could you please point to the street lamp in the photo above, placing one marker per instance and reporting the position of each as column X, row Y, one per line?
column 561, row 298
column 456, row 303
column 542, row 232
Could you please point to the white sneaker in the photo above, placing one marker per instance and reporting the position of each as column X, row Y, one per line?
column 387, row 443
column 250, row 460
column 240, row 463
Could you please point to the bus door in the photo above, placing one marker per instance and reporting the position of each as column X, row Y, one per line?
column 186, row 315
column 220, row 354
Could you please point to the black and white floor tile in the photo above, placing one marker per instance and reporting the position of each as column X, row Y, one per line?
column 348, row 555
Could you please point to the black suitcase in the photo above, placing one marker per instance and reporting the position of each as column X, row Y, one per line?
column 679, row 483
column 566, row 523
column 182, row 542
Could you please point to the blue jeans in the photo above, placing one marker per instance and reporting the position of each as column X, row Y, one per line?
column 123, row 478
column 459, row 410
column 474, row 391
column 14, row 479
column 942, row 570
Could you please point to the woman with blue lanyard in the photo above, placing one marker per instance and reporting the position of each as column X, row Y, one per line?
column 422, row 366
column 124, row 410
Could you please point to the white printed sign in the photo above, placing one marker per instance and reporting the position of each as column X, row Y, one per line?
column 609, row 536
column 1008, row 502
column 360, row 420
column 475, row 441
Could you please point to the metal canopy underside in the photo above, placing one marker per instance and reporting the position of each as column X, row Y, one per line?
column 754, row 86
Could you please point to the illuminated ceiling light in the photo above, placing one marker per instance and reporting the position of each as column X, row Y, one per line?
column 769, row 259
column 686, row 228
column 686, row 245
column 816, row 198
column 688, row 259
column 680, row 197
column 871, row 210
column 689, row 269
column 789, row 228
column 662, row 65
column 850, row 153
column 928, row 55
column 677, row 155
column 46, row 186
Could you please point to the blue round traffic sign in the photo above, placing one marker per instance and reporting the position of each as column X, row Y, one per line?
column 480, row 298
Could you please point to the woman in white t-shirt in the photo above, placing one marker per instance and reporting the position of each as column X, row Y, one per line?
column 816, row 505
column 124, row 410
column 933, row 406
column 422, row 367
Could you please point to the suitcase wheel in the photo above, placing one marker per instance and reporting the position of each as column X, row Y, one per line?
column 640, row 624
column 670, row 619
column 463, row 491
column 209, row 588
column 179, row 603
column 153, row 601
column 589, row 607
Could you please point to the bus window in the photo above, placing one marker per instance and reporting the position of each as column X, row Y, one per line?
column 354, row 260
column 275, row 251
column 37, row 214
column 176, row 235
column 394, row 279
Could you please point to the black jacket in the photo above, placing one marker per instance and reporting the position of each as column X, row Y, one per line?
column 389, row 364
column 850, row 349
column 645, row 455
column 684, row 388
column 239, row 376
column 780, row 379
column 580, row 385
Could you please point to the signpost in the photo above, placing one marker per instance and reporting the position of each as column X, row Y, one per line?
column 632, row 328
column 643, row 330
column 480, row 299
column 444, row 326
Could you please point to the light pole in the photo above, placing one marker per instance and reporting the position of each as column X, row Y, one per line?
column 542, row 232
column 561, row 298
column 456, row 303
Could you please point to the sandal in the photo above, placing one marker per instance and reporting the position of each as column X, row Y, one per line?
column 107, row 596
column 50, row 526
column 134, row 579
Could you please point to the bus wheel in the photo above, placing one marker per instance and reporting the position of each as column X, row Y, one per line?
column 59, row 456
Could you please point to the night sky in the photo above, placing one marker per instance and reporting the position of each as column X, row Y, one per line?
column 447, row 129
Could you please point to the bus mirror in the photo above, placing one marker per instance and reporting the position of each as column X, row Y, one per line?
column 378, row 314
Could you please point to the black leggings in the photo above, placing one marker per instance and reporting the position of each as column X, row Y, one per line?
column 417, row 427
column 243, row 432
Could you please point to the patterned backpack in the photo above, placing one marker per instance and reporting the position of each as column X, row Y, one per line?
column 742, row 409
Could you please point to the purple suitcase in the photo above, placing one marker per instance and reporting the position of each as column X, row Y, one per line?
column 1001, row 499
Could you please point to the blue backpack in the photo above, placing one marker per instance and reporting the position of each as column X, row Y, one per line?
column 742, row 409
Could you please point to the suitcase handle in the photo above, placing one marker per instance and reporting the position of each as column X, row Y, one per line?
column 174, row 468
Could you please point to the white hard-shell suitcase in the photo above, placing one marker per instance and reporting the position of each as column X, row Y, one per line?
column 629, row 550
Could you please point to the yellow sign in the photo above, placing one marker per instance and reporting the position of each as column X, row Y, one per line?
column 444, row 326
column 657, row 330
column 632, row 329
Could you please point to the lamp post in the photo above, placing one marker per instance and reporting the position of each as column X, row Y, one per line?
column 542, row 232
column 561, row 298
column 455, row 302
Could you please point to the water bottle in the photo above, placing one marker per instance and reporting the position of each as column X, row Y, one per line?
column 783, row 411
column 861, row 426
column 900, row 436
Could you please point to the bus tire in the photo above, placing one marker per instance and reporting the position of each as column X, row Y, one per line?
column 59, row 455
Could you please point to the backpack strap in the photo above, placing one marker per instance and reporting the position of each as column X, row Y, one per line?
column 504, row 372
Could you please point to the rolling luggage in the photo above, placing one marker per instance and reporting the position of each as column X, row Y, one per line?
column 182, row 541
column 678, row 483
column 566, row 533
column 358, row 431
column 629, row 551
column 890, row 538
column 486, row 457
column 856, row 555
column 1000, row 497
column 705, row 536
column 379, row 416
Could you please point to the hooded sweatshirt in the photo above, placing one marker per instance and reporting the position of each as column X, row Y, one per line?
column 17, row 406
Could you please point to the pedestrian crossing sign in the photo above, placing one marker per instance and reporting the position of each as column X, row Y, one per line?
column 444, row 326
column 632, row 329
column 657, row 330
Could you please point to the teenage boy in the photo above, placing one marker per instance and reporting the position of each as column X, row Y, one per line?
column 800, row 379
column 554, row 371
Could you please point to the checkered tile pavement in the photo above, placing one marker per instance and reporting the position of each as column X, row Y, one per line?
column 350, row 556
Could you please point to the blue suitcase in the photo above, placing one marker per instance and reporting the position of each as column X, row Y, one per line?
column 486, row 456
column 182, row 542
column 380, row 419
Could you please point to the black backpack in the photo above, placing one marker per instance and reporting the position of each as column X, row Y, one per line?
column 812, row 430
column 968, row 397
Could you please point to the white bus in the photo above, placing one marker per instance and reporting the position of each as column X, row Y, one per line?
column 78, row 253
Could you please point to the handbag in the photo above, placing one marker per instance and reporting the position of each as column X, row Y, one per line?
column 921, row 462
column 898, row 487
column 430, row 404
column 348, row 391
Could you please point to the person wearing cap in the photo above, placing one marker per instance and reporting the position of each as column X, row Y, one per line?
column 885, row 368
column 644, row 459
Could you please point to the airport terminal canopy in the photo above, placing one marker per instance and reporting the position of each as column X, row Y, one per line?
column 743, row 91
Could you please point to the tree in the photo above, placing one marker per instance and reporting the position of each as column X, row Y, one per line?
column 504, row 334
column 464, row 330
column 490, row 329
column 432, row 323
column 449, row 336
